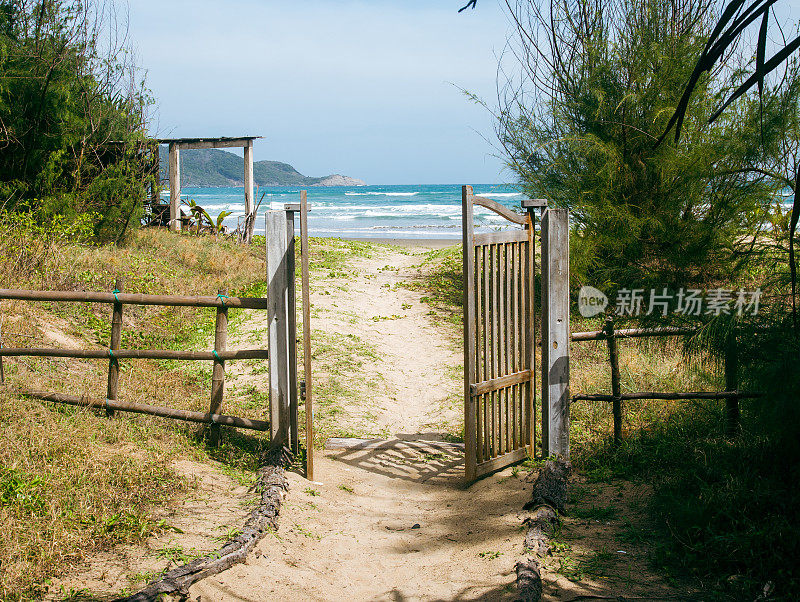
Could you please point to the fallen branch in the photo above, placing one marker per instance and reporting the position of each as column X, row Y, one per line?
column 548, row 501
column 272, row 485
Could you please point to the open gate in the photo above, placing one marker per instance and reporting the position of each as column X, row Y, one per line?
column 499, row 356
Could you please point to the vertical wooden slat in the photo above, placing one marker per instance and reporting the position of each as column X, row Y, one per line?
column 218, row 371
column 470, row 425
column 509, row 347
column 501, row 346
column 523, row 359
column 277, row 294
column 493, row 344
column 487, row 353
column 112, row 390
column 478, row 269
column 514, row 339
column 530, row 341
column 306, row 293
column 291, row 326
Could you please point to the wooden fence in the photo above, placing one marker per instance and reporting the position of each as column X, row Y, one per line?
column 731, row 395
column 117, row 299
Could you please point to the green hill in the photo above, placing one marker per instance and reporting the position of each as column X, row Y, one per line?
column 215, row 168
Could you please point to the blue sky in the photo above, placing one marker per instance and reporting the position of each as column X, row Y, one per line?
column 366, row 89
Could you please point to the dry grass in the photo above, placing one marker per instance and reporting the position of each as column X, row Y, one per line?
column 71, row 480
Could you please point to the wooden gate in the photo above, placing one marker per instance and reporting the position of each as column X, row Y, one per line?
column 499, row 357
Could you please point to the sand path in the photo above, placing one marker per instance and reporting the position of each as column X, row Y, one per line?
column 394, row 521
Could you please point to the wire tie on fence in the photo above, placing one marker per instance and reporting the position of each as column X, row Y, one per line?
column 222, row 298
column 111, row 355
column 216, row 355
column 115, row 292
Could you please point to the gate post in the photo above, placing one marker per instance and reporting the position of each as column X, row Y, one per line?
column 277, row 316
column 555, row 332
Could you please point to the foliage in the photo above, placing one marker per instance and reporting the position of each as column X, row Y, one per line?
column 600, row 80
column 72, row 115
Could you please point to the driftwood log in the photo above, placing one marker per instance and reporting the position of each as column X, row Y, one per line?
column 271, row 483
column 548, row 502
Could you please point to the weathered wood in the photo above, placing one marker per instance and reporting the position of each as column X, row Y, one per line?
column 479, row 363
column 672, row 396
column 616, row 391
column 136, row 354
column 272, row 485
column 2, row 370
column 530, row 334
column 116, row 337
column 470, row 411
column 135, row 299
column 501, row 461
column 486, row 348
column 500, row 382
column 534, row 204
column 555, row 332
column 630, row 333
column 291, row 327
column 548, row 501
column 277, row 294
column 174, row 187
column 499, row 209
column 218, row 370
column 306, row 293
column 501, row 236
column 731, row 384
column 140, row 408
column 248, row 178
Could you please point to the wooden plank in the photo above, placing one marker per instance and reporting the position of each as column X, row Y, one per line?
column 499, row 209
column 534, row 204
column 499, row 462
column 136, row 354
column 112, row 389
column 478, row 270
column 501, row 345
column 218, row 371
column 350, row 443
column 277, row 293
column 515, row 328
column 306, row 292
column 530, row 335
column 291, row 326
column 501, row 382
column 141, row 408
column 509, row 347
column 248, row 177
column 174, row 187
column 487, row 353
column 501, row 236
column 470, row 417
column 227, row 143
column 134, row 299
column 555, row 333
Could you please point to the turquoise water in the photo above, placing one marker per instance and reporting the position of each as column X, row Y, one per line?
column 413, row 211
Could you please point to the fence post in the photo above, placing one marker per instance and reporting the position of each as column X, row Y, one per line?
column 291, row 326
column 304, row 253
column 613, row 358
column 731, row 384
column 555, row 332
column 2, row 371
column 218, row 373
column 277, row 296
column 112, row 391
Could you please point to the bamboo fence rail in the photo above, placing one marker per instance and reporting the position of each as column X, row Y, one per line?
column 114, row 354
column 731, row 395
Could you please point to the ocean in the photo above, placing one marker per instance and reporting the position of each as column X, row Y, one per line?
column 400, row 211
